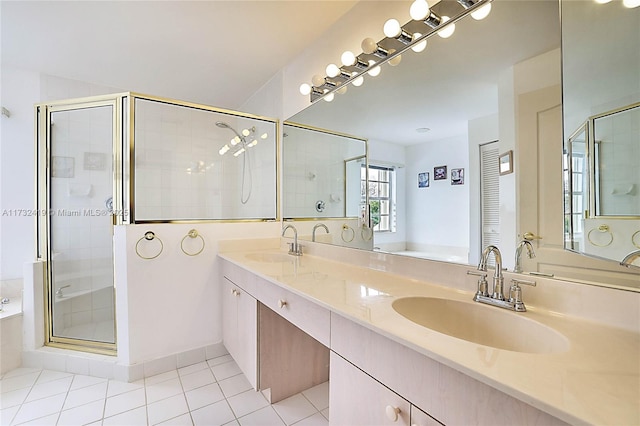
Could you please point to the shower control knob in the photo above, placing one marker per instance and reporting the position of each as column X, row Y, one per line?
column 282, row 303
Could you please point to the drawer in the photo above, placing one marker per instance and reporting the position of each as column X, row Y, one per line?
column 304, row 314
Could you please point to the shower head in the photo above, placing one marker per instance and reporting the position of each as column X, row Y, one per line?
column 224, row 125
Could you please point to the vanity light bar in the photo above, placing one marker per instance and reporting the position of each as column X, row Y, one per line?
column 364, row 62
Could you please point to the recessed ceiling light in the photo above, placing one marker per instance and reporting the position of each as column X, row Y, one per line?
column 422, row 129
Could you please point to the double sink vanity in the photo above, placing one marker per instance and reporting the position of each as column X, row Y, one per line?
column 403, row 342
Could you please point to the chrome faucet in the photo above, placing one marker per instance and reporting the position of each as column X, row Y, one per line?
column 530, row 253
column 497, row 298
column 318, row 225
column 498, row 279
column 295, row 249
column 628, row 259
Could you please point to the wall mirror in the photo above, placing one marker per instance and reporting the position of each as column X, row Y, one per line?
column 321, row 173
column 438, row 108
column 602, row 124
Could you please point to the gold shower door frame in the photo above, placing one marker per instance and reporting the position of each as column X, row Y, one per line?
column 45, row 210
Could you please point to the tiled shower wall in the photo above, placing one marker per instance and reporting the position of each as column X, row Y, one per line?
column 314, row 170
column 181, row 174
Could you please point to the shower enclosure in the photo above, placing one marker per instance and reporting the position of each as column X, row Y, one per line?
column 126, row 159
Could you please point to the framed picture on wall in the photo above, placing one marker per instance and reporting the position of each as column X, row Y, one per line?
column 506, row 163
column 423, row 180
column 457, row 176
column 440, row 173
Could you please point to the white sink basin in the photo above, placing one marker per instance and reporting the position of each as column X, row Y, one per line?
column 482, row 324
column 270, row 257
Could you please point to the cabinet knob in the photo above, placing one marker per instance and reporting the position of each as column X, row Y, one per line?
column 392, row 413
column 282, row 303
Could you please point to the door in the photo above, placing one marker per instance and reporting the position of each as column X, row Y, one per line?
column 78, row 191
column 540, row 197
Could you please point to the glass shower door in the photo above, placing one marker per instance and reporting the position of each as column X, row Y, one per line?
column 81, row 187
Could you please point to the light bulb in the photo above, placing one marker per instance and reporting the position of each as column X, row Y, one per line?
column 305, row 89
column 369, row 45
column 224, row 150
column 235, row 141
column 419, row 10
column 329, row 97
column 238, row 152
column 396, row 60
column 342, row 90
column 419, row 47
column 332, row 70
column 358, row 81
column 392, row 28
column 373, row 72
column 631, row 3
column 317, row 80
column 246, row 132
column 448, row 31
column 264, row 136
column 253, row 143
column 482, row 12
column 348, row 58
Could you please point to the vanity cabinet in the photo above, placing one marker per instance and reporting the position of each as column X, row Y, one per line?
column 240, row 328
column 420, row 418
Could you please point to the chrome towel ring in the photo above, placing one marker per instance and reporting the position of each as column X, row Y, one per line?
column 149, row 236
column 192, row 234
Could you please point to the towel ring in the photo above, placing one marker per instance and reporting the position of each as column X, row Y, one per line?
column 368, row 235
column 149, row 236
column 192, row 234
column 347, row 236
column 601, row 229
column 633, row 239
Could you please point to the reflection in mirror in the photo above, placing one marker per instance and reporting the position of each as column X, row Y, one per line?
column 601, row 176
column 322, row 173
column 601, row 99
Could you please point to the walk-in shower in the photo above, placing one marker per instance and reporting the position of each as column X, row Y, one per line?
column 126, row 159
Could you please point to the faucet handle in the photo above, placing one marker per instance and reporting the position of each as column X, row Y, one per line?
column 518, row 281
column 483, row 286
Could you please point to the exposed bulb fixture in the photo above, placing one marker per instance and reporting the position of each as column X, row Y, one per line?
column 419, row 10
column 264, row 136
column 224, row 150
column 252, row 143
column 305, row 89
column 631, row 3
column 235, row 140
column 317, row 80
column 482, row 12
column 348, row 58
column 246, row 132
column 392, row 28
column 358, row 81
column 448, row 30
column 396, row 60
column 238, row 152
column 370, row 47
column 419, row 47
column 342, row 90
column 375, row 71
column 332, row 70
column 329, row 97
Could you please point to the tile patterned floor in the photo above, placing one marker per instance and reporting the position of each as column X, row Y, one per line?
column 209, row 393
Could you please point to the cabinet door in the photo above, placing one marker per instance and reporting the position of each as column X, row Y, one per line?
column 420, row 418
column 356, row 398
column 240, row 329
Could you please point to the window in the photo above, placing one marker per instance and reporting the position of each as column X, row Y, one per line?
column 381, row 196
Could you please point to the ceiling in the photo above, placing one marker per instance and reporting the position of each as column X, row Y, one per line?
column 212, row 52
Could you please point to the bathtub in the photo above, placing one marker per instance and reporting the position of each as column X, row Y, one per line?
column 11, row 334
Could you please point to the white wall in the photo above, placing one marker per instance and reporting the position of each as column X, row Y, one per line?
column 438, row 216
column 20, row 91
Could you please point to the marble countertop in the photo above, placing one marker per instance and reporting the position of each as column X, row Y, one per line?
column 595, row 380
